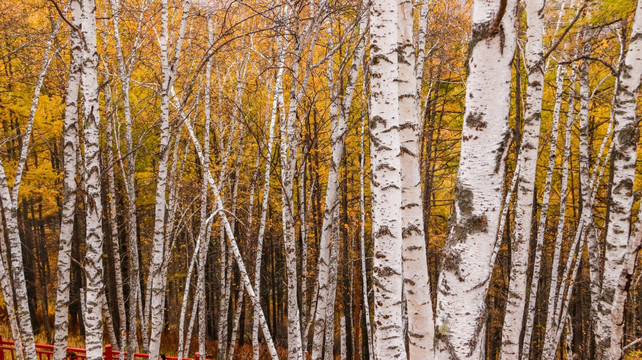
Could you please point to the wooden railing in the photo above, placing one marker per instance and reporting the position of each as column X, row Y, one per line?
column 45, row 352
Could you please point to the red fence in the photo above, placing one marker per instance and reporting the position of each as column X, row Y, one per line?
column 45, row 352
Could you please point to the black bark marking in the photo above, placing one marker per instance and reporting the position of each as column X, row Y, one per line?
column 475, row 121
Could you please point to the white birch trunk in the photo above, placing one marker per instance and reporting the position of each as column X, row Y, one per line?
column 9, row 301
column 328, row 347
column 236, row 324
column 609, row 325
column 278, row 94
column 290, row 135
column 421, row 330
column 186, row 291
column 204, row 230
column 130, row 164
column 339, row 112
column 288, row 161
column 156, row 290
column 537, row 263
column 113, row 219
column 323, row 335
column 520, row 241
column 553, row 322
column 93, row 266
column 569, row 338
column 109, row 323
column 463, row 284
column 224, row 300
column 386, row 192
column 70, row 146
column 362, row 235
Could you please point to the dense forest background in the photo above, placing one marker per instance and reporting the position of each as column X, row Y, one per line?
column 268, row 103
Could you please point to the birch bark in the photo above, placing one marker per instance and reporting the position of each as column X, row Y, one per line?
column 278, row 94
column 290, row 135
column 156, row 289
column 10, row 305
column 124, row 74
column 113, row 220
column 386, row 191
column 70, row 146
column 416, row 287
column 93, row 266
column 516, row 300
column 362, row 239
column 463, row 283
column 554, row 322
column 539, row 245
column 609, row 321
column 339, row 113
column 203, row 230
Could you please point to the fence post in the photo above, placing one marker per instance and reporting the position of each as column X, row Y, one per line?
column 1, row 348
column 108, row 354
column 196, row 357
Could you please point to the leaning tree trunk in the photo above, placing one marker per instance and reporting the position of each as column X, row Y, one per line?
column 218, row 203
column 93, row 264
column 528, row 155
column 610, row 319
column 464, row 281
column 70, row 146
column 10, row 198
column 386, row 192
column 203, row 230
column 421, row 330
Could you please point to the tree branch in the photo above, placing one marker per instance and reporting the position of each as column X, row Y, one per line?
column 568, row 28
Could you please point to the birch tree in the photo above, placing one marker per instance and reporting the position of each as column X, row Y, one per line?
column 541, row 227
column 70, row 148
column 534, row 59
column 10, row 198
column 362, row 237
column 386, row 191
column 415, row 268
column 276, row 101
column 156, row 291
column 234, row 247
column 290, row 135
column 204, row 231
column 7, row 293
column 463, row 283
column 330, row 241
column 124, row 75
column 609, row 322
column 93, row 266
